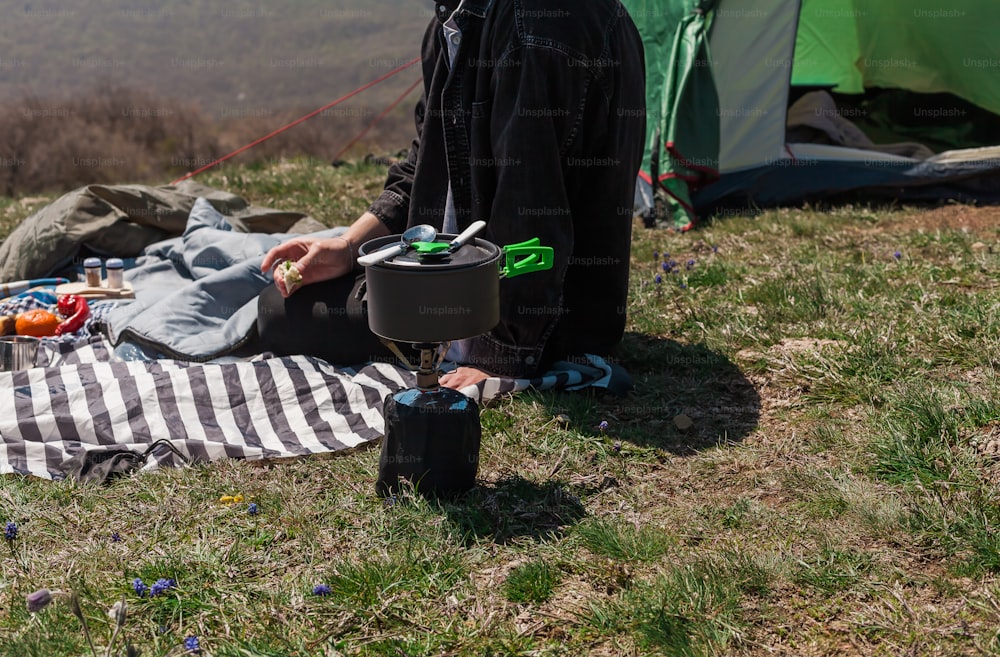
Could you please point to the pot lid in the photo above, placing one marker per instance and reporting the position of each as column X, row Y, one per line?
column 473, row 253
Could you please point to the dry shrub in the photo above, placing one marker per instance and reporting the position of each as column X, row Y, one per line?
column 113, row 134
column 118, row 134
column 322, row 137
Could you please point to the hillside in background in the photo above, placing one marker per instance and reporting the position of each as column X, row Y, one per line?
column 108, row 91
column 232, row 59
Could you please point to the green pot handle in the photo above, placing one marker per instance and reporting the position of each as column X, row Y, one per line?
column 526, row 257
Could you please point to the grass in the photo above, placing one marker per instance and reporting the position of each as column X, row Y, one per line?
column 533, row 582
column 835, row 493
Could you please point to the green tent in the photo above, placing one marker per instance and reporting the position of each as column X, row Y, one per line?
column 682, row 151
column 767, row 102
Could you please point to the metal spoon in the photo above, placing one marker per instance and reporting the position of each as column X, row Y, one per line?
column 466, row 235
column 419, row 233
column 434, row 250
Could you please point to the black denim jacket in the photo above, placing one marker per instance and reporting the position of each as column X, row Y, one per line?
column 540, row 126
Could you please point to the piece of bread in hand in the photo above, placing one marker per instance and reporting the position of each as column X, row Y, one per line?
column 289, row 274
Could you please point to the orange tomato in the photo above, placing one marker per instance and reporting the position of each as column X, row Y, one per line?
column 39, row 323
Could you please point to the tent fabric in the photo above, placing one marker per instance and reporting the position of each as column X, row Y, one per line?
column 681, row 105
column 756, row 50
column 120, row 220
column 928, row 47
column 753, row 43
column 826, row 46
column 857, row 179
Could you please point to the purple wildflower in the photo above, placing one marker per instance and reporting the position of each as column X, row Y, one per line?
column 658, row 279
column 684, row 286
column 666, row 267
column 38, row 600
column 603, row 426
column 656, row 255
column 10, row 531
column 253, row 509
column 161, row 586
column 116, row 537
column 715, row 248
column 192, row 645
column 322, row 589
column 617, row 447
column 139, row 587
column 690, row 264
column 897, row 255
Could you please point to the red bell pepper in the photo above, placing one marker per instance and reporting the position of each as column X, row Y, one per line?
column 76, row 310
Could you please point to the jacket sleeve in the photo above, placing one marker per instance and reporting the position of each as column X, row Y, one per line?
column 539, row 99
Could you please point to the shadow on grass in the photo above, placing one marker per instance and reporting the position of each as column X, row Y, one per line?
column 513, row 508
column 673, row 383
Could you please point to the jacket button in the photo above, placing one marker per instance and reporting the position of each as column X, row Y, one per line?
column 530, row 360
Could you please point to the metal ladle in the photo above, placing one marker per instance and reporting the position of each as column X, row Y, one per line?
column 419, row 233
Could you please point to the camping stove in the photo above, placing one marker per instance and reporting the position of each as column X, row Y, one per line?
column 426, row 294
column 432, row 433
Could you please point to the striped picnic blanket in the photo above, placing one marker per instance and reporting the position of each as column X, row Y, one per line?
column 82, row 402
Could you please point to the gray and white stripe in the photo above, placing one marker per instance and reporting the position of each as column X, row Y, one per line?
column 267, row 407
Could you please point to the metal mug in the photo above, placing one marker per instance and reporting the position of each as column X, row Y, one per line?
column 17, row 352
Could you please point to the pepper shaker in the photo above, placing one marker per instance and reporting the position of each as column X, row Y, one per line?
column 116, row 269
column 92, row 271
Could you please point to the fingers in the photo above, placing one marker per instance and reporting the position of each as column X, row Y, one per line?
column 453, row 381
column 314, row 261
column 305, row 265
column 290, row 250
column 280, row 284
column 271, row 257
column 324, row 255
column 463, row 377
column 448, row 381
column 323, row 261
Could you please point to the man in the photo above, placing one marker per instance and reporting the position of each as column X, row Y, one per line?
column 531, row 119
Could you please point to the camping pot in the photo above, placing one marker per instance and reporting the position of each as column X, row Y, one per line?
column 17, row 352
column 427, row 294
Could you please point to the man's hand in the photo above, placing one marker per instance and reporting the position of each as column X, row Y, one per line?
column 322, row 259
column 462, row 377
column 315, row 259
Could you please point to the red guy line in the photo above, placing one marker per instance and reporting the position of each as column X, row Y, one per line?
column 378, row 118
column 294, row 123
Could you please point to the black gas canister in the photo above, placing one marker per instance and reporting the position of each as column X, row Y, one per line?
column 431, row 440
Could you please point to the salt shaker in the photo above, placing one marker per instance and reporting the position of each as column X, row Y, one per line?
column 92, row 271
column 116, row 268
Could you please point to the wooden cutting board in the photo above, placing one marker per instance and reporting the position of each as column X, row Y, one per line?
column 81, row 289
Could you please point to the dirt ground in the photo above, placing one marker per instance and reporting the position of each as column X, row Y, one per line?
column 983, row 221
